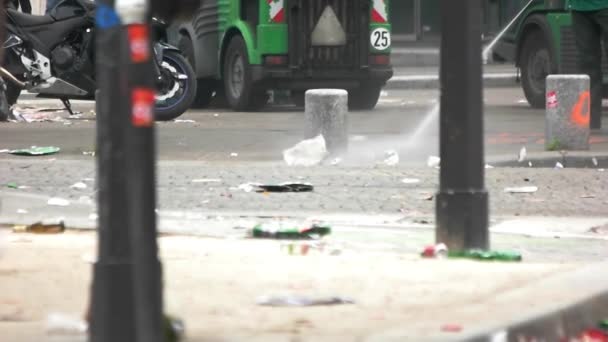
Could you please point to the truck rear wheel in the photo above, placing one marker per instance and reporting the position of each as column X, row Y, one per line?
column 536, row 64
column 238, row 83
column 204, row 87
column 364, row 98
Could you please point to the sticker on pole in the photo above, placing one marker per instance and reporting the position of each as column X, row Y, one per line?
column 552, row 99
column 142, row 114
column 380, row 39
column 139, row 43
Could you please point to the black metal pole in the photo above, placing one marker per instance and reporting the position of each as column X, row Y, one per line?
column 141, row 155
column 462, row 201
column 112, row 307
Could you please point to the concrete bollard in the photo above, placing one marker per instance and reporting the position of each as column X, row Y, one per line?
column 326, row 112
column 568, row 112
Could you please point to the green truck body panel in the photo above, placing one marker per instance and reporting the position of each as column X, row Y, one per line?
column 263, row 37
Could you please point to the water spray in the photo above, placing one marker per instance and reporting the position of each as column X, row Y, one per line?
column 490, row 47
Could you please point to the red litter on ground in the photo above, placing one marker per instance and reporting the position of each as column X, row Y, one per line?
column 593, row 335
column 454, row 328
column 435, row 251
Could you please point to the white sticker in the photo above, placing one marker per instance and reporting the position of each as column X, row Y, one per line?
column 380, row 39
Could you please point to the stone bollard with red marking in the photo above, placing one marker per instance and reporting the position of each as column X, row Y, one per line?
column 568, row 112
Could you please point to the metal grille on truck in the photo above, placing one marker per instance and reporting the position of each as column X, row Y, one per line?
column 303, row 16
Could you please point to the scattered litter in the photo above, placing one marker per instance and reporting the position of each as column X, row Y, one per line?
column 438, row 251
column 453, row 328
column 234, row 154
column 12, row 185
column 22, row 211
column 306, row 153
column 522, row 155
column 31, row 114
column 483, row 255
column 285, row 187
column 522, row 101
column 410, row 181
column 79, row 186
column 59, row 202
column 89, row 153
column 207, row 180
column 433, row 161
column 594, row 161
column 36, row 151
column 93, row 217
column 248, row 187
column 298, row 301
column 601, row 170
column 215, row 115
column 40, row 228
column 529, row 164
column 559, row 165
column 391, row 157
column 587, row 196
column 384, row 93
column 488, row 166
column 5, row 151
column 184, row 121
column 522, row 190
column 61, row 324
column 290, row 231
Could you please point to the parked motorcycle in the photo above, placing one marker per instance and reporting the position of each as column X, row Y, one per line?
column 54, row 56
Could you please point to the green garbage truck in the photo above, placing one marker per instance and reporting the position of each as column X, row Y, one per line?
column 540, row 43
column 241, row 49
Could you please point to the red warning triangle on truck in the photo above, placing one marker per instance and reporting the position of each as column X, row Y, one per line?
column 277, row 11
column 379, row 13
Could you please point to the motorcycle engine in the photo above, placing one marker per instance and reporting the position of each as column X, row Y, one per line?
column 63, row 57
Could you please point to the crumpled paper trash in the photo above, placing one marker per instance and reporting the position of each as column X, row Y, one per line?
column 309, row 152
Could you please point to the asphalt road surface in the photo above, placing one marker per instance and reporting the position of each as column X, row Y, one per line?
column 223, row 135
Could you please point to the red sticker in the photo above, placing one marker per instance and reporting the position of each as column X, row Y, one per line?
column 552, row 99
column 142, row 114
column 139, row 43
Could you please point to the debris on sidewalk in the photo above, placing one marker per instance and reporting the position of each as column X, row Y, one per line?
column 521, row 157
column 207, row 180
column 433, row 161
column 61, row 324
column 285, row 187
column 452, row 328
column 488, row 166
column 522, row 190
column 33, row 114
column 559, row 165
column 300, row 301
column 391, row 158
column 290, row 231
column 183, row 121
column 410, row 181
column 234, row 154
column 5, row 150
column 88, row 153
column 438, row 251
column 483, row 255
column 12, row 185
column 594, row 161
column 36, row 151
column 79, row 186
column 306, row 153
column 59, row 202
column 41, row 228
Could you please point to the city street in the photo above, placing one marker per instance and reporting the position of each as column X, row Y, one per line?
column 215, row 134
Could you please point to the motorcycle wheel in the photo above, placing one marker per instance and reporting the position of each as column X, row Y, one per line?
column 175, row 95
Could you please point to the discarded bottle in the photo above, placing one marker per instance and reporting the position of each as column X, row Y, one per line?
column 437, row 251
column 40, row 228
column 284, row 232
column 479, row 254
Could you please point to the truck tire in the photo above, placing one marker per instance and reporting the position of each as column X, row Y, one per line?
column 238, row 83
column 536, row 63
column 204, row 87
column 364, row 98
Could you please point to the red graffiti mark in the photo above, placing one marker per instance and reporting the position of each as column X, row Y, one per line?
column 552, row 99
column 581, row 112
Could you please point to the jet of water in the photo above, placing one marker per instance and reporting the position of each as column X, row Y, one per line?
column 488, row 49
